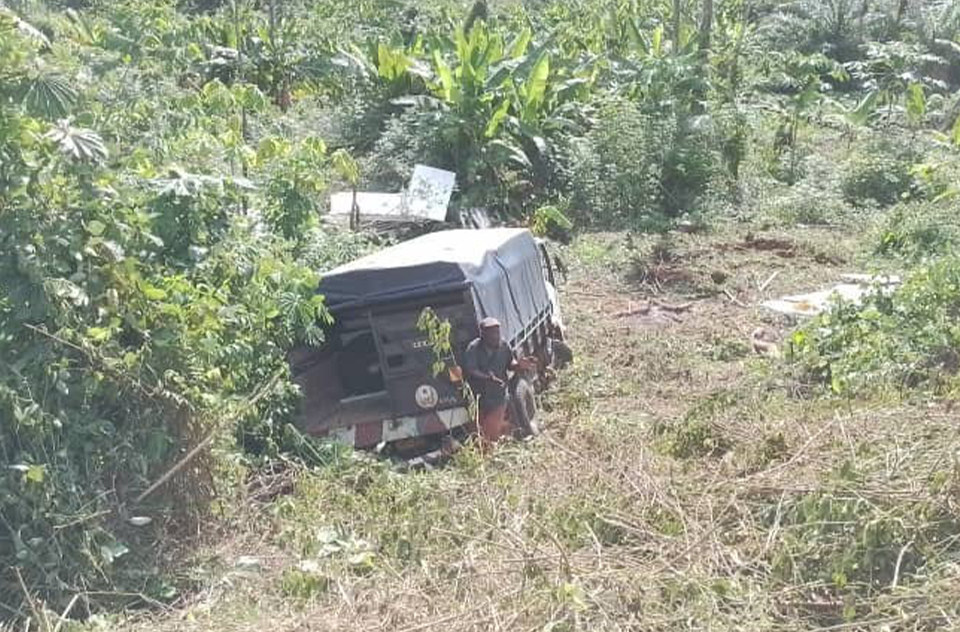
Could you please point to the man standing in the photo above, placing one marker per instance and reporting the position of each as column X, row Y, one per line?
column 486, row 363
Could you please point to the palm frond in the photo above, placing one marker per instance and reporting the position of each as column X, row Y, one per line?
column 78, row 143
column 8, row 18
column 48, row 96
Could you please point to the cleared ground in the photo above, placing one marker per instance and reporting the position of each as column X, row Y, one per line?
column 682, row 482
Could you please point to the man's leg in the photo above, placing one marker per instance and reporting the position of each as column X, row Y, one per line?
column 493, row 424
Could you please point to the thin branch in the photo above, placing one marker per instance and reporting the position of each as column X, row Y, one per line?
column 103, row 365
column 250, row 403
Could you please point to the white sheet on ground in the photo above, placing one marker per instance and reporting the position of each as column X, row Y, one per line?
column 813, row 303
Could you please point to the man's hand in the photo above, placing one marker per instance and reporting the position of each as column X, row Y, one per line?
column 494, row 378
column 529, row 363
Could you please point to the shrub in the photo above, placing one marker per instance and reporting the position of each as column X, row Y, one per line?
column 851, row 543
column 878, row 177
column 135, row 363
column 634, row 165
column 907, row 339
column 806, row 203
column 918, row 230
column 697, row 434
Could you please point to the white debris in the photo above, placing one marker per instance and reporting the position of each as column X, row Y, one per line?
column 813, row 303
column 248, row 563
column 370, row 204
column 426, row 198
column 429, row 192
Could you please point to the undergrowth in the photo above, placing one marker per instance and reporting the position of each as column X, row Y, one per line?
column 901, row 341
column 913, row 232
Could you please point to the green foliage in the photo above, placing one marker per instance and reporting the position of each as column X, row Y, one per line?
column 305, row 582
column 141, row 309
column 438, row 335
column 903, row 340
column 548, row 218
column 915, row 231
column 897, row 71
column 802, row 82
column 856, row 544
column 808, row 203
column 379, row 514
column 633, row 166
column 812, row 26
column 162, row 177
column 491, row 104
column 696, row 434
column 878, row 175
column 297, row 178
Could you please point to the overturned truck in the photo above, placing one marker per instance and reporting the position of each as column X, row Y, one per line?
column 372, row 382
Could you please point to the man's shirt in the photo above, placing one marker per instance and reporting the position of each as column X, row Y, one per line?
column 482, row 359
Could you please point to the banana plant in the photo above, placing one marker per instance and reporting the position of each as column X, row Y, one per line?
column 851, row 118
column 896, row 71
column 801, row 80
column 396, row 68
column 496, row 103
column 472, row 97
column 915, row 105
column 660, row 75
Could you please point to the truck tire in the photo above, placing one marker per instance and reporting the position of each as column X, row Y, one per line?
column 523, row 408
column 562, row 354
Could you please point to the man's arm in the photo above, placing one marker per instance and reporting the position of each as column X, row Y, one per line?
column 527, row 363
column 471, row 367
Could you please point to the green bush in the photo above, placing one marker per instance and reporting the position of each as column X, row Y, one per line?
column 878, row 177
column 851, row 543
column 918, row 230
column 697, row 434
column 633, row 165
column 142, row 306
column 807, row 203
column 134, row 364
column 907, row 339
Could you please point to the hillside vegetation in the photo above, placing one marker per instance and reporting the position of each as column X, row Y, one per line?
column 165, row 171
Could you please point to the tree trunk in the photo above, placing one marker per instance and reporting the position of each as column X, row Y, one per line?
column 706, row 27
column 676, row 26
column 901, row 11
column 354, row 211
column 280, row 90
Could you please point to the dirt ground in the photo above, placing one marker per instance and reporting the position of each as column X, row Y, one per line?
column 682, row 481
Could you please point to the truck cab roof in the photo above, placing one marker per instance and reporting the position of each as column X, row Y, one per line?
column 500, row 266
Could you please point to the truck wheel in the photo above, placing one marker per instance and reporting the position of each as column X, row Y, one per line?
column 562, row 354
column 523, row 408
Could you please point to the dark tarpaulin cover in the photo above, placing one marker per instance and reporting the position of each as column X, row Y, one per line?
column 500, row 265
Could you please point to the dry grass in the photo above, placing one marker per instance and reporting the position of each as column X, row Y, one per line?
column 681, row 483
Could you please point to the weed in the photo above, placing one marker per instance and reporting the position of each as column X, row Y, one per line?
column 696, row 434
column 727, row 350
column 919, row 230
column 304, row 582
column 855, row 543
column 772, row 448
column 878, row 176
column 905, row 340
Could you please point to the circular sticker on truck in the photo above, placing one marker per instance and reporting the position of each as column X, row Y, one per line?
column 426, row 396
